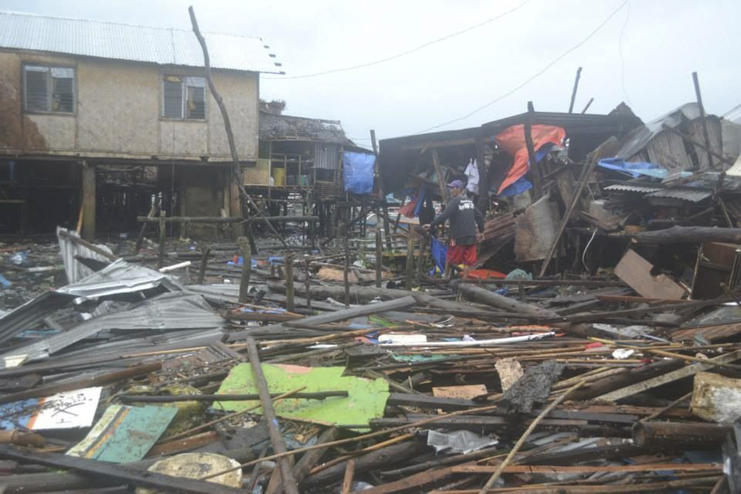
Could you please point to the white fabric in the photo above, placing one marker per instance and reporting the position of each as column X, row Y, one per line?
column 472, row 173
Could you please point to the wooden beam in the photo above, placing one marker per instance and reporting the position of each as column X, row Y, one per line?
column 686, row 234
column 705, row 135
column 285, row 464
column 534, row 172
column 440, row 178
column 362, row 310
column 113, row 472
column 88, row 201
column 676, row 375
column 573, row 91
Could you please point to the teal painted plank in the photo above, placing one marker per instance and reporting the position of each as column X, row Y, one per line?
column 124, row 433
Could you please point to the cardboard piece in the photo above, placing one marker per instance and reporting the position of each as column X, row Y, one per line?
column 465, row 392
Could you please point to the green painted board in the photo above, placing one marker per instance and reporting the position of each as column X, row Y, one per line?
column 366, row 398
column 124, row 433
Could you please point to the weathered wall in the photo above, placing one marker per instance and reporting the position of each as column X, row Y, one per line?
column 118, row 113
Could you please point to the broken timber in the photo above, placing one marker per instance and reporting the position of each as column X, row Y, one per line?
column 115, row 472
column 687, row 371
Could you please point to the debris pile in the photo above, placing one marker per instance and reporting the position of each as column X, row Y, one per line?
column 595, row 347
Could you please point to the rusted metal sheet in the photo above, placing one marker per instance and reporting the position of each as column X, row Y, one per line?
column 535, row 230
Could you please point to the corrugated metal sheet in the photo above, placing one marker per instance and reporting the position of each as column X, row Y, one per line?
column 690, row 195
column 325, row 156
column 640, row 137
column 167, row 312
column 632, row 188
column 75, row 270
column 118, row 277
column 133, row 43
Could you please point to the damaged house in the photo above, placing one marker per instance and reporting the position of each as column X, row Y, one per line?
column 99, row 121
column 302, row 167
column 572, row 188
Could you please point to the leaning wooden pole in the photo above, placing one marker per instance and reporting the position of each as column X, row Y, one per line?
column 567, row 215
column 705, row 135
column 228, row 126
column 573, row 91
column 279, row 445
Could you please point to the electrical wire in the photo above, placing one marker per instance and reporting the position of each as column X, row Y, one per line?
column 409, row 51
column 584, row 254
column 534, row 76
column 620, row 50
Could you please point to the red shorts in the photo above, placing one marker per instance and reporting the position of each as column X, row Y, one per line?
column 461, row 254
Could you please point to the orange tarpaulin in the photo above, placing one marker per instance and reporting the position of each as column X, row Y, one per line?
column 512, row 140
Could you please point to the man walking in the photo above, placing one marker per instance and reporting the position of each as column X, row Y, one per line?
column 465, row 223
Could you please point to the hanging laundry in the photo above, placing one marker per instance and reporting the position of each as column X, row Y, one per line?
column 472, row 174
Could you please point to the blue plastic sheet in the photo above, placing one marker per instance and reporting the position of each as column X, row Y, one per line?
column 438, row 250
column 633, row 168
column 521, row 185
column 358, row 172
column 240, row 261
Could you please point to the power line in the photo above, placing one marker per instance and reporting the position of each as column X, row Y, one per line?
column 622, row 58
column 534, row 76
column 409, row 51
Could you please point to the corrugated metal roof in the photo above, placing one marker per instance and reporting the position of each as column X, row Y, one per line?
column 166, row 312
column 132, row 43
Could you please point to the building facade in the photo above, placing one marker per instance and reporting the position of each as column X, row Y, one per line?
column 96, row 119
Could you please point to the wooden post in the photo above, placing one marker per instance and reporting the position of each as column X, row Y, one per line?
column 379, row 258
column 440, row 179
column 204, row 264
column 307, row 281
column 534, row 172
column 289, row 283
column 573, row 92
column 410, row 258
column 88, row 201
column 423, row 240
column 140, row 239
column 705, row 135
column 346, row 273
column 244, row 281
column 483, row 204
column 381, row 189
column 163, row 239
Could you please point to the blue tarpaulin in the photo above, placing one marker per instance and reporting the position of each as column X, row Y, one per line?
column 633, row 168
column 521, row 185
column 438, row 250
column 358, row 172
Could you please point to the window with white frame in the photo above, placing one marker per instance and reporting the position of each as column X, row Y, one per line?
column 48, row 89
column 184, row 98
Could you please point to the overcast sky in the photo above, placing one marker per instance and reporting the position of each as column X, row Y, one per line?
column 643, row 54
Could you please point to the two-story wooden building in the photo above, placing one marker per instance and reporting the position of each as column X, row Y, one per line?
column 98, row 119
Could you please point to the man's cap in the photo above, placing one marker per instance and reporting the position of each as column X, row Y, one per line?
column 455, row 184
